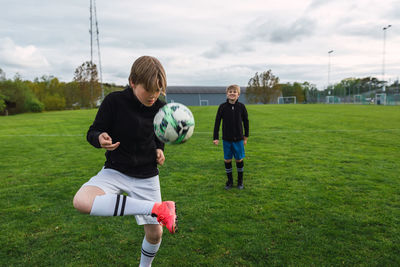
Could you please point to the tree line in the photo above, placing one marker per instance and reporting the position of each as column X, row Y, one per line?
column 48, row 93
column 85, row 91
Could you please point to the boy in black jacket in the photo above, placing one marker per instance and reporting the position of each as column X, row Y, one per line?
column 124, row 128
column 234, row 118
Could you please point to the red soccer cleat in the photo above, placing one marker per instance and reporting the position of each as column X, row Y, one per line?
column 166, row 215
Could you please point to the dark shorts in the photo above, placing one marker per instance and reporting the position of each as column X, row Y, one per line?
column 235, row 149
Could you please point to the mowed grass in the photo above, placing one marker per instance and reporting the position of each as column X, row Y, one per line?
column 322, row 188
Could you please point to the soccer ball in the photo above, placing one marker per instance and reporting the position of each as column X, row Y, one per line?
column 174, row 123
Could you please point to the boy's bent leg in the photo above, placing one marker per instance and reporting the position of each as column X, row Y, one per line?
column 101, row 195
column 93, row 200
column 84, row 198
column 120, row 205
column 151, row 243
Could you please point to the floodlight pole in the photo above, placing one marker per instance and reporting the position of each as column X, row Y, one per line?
column 98, row 50
column 383, row 56
column 329, row 66
column 91, row 53
column 94, row 23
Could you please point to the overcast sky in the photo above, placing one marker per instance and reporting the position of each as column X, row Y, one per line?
column 205, row 42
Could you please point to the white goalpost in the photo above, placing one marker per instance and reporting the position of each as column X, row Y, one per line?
column 330, row 99
column 380, row 99
column 287, row 100
column 357, row 99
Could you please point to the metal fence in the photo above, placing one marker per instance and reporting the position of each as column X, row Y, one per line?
column 368, row 98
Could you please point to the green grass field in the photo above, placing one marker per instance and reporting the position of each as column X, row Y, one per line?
column 322, row 188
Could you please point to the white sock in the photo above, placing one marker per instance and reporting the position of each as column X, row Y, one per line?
column 120, row 205
column 148, row 253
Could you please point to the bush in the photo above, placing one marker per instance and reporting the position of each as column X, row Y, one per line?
column 34, row 105
column 2, row 103
column 18, row 92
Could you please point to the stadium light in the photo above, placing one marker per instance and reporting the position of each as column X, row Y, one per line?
column 329, row 65
column 383, row 56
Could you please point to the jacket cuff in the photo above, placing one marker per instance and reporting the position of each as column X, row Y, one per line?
column 93, row 139
column 159, row 145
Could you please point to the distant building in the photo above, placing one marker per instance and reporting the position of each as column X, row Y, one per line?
column 200, row 95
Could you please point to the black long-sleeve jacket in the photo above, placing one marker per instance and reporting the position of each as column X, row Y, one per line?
column 234, row 118
column 128, row 121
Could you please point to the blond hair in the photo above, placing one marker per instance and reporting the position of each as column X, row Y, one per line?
column 233, row 87
column 149, row 72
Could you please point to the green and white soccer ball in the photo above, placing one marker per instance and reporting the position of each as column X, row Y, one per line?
column 174, row 123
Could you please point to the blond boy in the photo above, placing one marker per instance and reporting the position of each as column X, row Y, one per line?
column 234, row 118
column 124, row 128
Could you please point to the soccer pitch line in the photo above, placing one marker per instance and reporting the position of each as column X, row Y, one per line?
column 315, row 131
column 202, row 132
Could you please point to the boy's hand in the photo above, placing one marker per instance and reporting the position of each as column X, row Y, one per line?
column 216, row 142
column 106, row 142
column 245, row 140
column 160, row 156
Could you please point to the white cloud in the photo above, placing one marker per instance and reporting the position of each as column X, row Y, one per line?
column 14, row 55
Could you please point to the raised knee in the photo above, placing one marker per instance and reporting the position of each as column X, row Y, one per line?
column 84, row 198
column 80, row 204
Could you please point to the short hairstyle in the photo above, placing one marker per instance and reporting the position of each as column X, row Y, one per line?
column 233, row 87
column 149, row 72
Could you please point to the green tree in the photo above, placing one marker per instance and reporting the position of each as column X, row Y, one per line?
column 17, row 92
column 368, row 84
column 72, row 95
column 2, row 97
column 54, row 102
column 355, row 86
column 108, row 88
column 298, row 92
column 311, row 93
column 50, row 91
column 263, row 88
column 287, row 89
column 296, row 89
column 2, row 103
column 87, row 78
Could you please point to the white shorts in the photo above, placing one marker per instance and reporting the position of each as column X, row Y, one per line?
column 114, row 182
